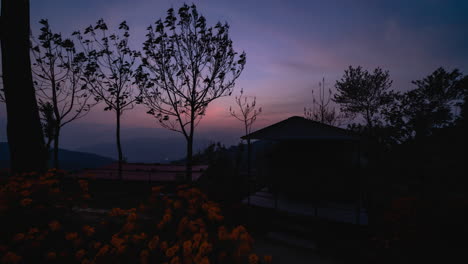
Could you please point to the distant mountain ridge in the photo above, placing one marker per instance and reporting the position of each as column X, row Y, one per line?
column 147, row 150
column 69, row 160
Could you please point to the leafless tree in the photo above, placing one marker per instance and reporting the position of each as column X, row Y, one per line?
column 110, row 71
column 247, row 111
column 247, row 115
column 321, row 109
column 59, row 82
column 187, row 65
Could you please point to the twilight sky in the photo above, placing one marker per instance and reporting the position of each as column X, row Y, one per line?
column 290, row 46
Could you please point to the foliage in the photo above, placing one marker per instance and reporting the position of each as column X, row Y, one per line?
column 186, row 65
column 48, row 122
column 59, row 82
column 320, row 110
column 364, row 93
column 184, row 227
column 418, row 112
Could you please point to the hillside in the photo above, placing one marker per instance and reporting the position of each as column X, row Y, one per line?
column 69, row 160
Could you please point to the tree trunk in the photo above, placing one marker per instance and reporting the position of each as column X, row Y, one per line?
column 119, row 146
column 56, row 147
column 188, row 164
column 24, row 131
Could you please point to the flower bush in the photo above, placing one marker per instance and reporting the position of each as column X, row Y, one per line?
column 174, row 226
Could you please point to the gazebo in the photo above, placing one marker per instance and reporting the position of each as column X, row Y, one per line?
column 310, row 158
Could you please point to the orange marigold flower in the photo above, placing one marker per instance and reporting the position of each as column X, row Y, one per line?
column 54, row 225
column 71, row 236
column 11, row 257
column 153, row 243
column 96, row 244
column 246, row 237
column 197, row 237
column 167, row 218
column 205, row 260
column 172, row 251
column 253, row 259
column 160, row 225
column 103, row 251
column 164, row 246
column 267, row 259
column 182, row 186
column 80, row 254
column 156, row 188
column 138, row 237
column 187, row 247
column 54, row 190
column 223, row 234
column 243, row 249
column 128, row 227
column 205, row 248
column 51, row 255
column 132, row 217
column 88, row 230
column 121, row 249
column 144, row 253
column 175, row 260
column 177, row 204
column 33, row 230
column 26, row 201
column 195, row 245
column 116, row 241
column 25, row 193
column 222, row 255
column 18, row 237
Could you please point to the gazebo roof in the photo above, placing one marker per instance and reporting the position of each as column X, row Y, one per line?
column 299, row 128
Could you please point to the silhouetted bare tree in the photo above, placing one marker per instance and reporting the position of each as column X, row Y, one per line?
column 247, row 115
column 186, row 66
column 25, row 138
column 321, row 110
column 60, row 85
column 248, row 111
column 110, row 71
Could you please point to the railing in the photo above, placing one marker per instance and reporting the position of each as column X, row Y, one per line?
column 154, row 175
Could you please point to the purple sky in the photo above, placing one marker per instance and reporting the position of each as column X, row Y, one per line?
column 290, row 46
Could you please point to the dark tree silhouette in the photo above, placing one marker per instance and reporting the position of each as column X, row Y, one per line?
column 463, row 86
column 364, row 93
column 417, row 112
column 60, row 85
column 321, row 110
column 110, row 71
column 247, row 115
column 187, row 65
column 248, row 111
column 2, row 96
column 24, row 132
column 48, row 122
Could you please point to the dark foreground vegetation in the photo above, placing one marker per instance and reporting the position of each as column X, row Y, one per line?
column 172, row 224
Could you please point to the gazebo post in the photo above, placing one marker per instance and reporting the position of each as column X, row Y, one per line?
column 358, row 206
